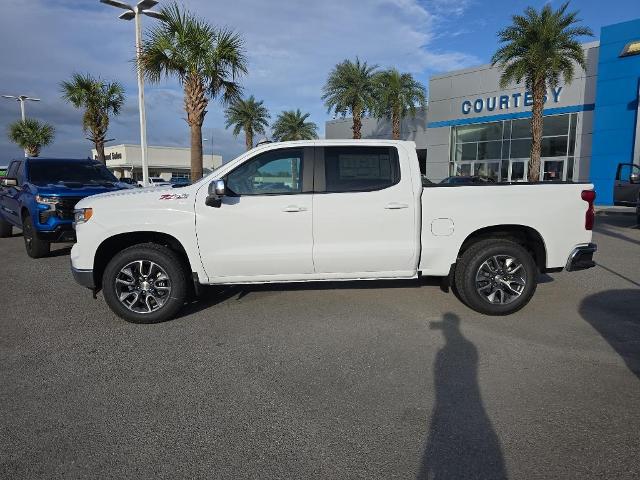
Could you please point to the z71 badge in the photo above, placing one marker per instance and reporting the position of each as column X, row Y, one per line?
column 174, row 196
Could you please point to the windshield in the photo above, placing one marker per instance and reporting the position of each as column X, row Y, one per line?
column 53, row 171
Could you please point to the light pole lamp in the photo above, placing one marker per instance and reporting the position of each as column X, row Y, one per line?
column 21, row 99
column 133, row 13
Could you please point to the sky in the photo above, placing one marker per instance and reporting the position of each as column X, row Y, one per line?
column 291, row 46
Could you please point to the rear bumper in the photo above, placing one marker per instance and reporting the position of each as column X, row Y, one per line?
column 83, row 277
column 62, row 233
column 581, row 258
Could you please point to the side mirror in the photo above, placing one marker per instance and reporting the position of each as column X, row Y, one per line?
column 9, row 182
column 634, row 178
column 217, row 190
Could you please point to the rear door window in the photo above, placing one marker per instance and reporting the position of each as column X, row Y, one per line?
column 360, row 169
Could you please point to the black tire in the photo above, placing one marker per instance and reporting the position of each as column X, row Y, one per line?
column 35, row 247
column 164, row 258
column 468, row 268
column 6, row 229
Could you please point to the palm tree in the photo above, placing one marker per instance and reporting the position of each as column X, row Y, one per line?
column 398, row 94
column 206, row 60
column 540, row 48
column 350, row 89
column 31, row 135
column 248, row 115
column 292, row 125
column 99, row 100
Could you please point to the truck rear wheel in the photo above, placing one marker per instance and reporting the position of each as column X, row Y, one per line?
column 496, row 277
column 6, row 230
column 36, row 248
column 145, row 283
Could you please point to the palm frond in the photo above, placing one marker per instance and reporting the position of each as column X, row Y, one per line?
column 292, row 125
column 31, row 135
column 350, row 87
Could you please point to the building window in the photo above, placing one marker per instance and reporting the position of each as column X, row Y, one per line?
column 181, row 175
column 500, row 150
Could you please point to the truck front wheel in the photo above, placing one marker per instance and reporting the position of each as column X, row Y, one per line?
column 36, row 248
column 496, row 277
column 145, row 283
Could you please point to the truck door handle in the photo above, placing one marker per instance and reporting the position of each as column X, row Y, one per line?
column 294, row 208
column 396, row 206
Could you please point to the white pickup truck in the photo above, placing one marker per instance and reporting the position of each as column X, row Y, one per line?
column 328, row 210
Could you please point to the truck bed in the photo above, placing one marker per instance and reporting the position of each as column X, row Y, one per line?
column 450, row 213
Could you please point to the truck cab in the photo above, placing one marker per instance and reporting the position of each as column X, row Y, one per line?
column 38, row 195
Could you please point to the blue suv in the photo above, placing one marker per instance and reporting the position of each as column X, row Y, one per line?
column 38, row 195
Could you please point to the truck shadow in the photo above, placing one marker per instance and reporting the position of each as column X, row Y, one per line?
column 461, row 442
column 212, row 295
column 60, row 251
column 614, row 315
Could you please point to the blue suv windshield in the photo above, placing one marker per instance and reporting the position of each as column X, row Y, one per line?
column 45, row 172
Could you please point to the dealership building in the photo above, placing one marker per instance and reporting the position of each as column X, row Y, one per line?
column 125, row 161
column 473, row 127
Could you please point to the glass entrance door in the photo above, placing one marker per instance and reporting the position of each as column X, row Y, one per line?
column 518, row 171
column 552, row 170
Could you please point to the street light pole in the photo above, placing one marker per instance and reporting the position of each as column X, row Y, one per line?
column 143, row 115
column 206, row 140
column 134, row 13
column 21, row 99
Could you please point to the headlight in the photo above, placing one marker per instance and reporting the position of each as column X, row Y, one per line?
column 47, row 200
column 82, row 215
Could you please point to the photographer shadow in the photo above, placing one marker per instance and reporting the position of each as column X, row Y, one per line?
column 461, row 442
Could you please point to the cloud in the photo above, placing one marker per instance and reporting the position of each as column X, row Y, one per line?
column 291, row 46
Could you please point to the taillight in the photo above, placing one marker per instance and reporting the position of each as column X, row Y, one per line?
column 589, row 196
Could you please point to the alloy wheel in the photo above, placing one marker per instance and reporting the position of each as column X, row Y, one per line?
column 143, row 286
column 501, row 279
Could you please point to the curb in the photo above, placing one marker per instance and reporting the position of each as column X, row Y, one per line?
column 629, row 212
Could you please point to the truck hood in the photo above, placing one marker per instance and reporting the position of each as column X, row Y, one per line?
column 61, row 190
column 137, row 195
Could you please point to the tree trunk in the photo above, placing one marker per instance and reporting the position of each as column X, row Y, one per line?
column 33, row 150
column 195, row 104
column 536, row 131
column 248, row 139
column 357, row 123
column 196, row 152
column 100, row 152
column 395, row 122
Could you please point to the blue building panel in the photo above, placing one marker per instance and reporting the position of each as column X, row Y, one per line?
column 616, row 111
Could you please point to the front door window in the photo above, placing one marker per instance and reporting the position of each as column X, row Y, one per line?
column 272, row 173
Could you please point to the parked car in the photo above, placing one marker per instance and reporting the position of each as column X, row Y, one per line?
column 463, row 180
column 156, row 182
column 626, row 189
column 179, row 182
column 128, row 181
column 38, row 196
column 329, row 210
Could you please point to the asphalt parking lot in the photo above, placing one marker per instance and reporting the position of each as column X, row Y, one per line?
column 357, row 380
